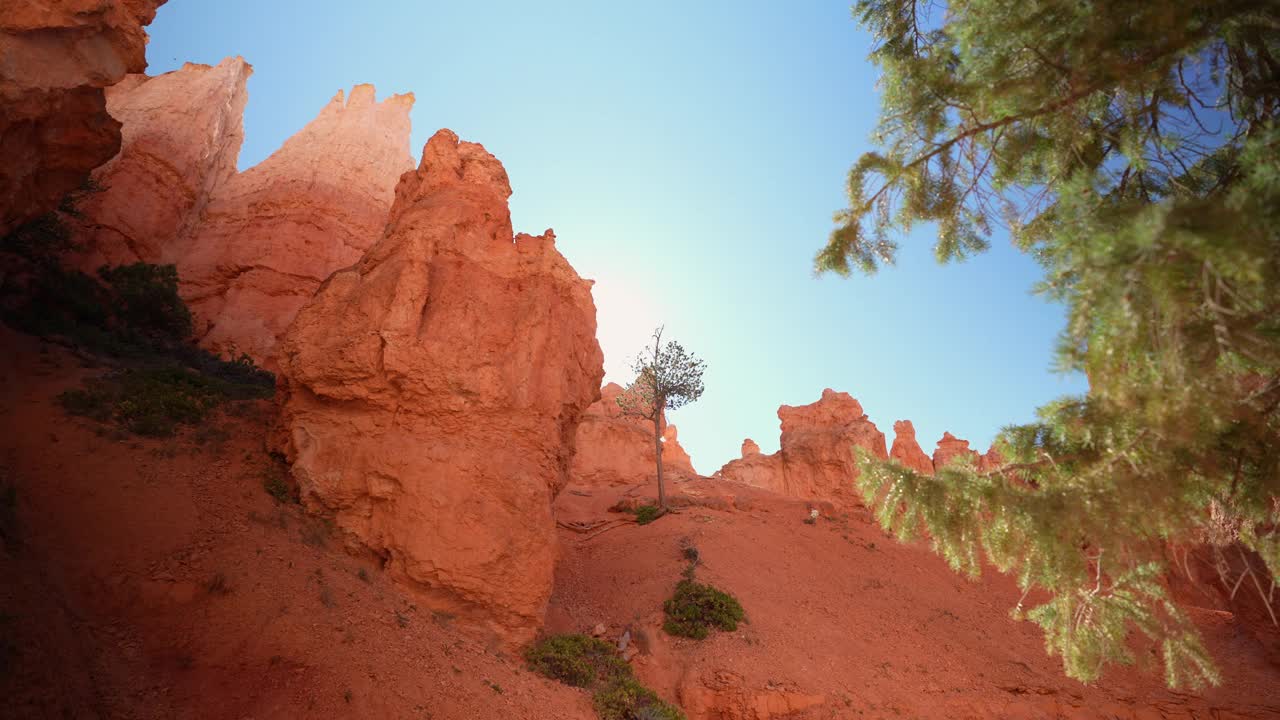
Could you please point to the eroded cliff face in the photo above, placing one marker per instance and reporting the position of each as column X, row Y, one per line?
column 251, row 247
column 182, row 133
column 432, row 393
column 56, row 56
column 272, row 234
column 816, row 459
column 613, row 449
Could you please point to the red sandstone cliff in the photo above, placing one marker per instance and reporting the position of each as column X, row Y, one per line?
column 251, row 247
column 56, row 56
column 434, row 389
column 613, row 449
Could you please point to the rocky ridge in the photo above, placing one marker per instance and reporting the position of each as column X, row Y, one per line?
column 251, row 247
column 432, row 393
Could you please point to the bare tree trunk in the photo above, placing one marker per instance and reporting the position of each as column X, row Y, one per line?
column 660, row 403
column 657, row 450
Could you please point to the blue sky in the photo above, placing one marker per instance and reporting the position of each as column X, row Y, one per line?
column 689, row 156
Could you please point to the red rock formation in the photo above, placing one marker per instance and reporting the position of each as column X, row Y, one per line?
column 432, row 393
column 816, row 459
column 182, row 137
column 273, row 233
column 949, row 448
column 673, row 455
column 725, row 694
column 991, row 460
column 907, row 451
column 56, row 56
column 250, row 247
column 749, row 448
column 613, row 449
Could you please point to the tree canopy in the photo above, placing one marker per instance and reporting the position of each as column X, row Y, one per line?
column 1132, row 148
column 667, row 377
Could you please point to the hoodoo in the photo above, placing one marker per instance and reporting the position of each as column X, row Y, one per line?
column 906, row 449
column 816, row 459
column 433, row 392
column 615, row 449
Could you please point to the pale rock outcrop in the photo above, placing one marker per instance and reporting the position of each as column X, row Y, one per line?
column 614, row 449
column 181, row 139
column 432, row 393
column 251, row 247
column 272, row 234
column 56, row 56
column 906, row 449
column 816, row 459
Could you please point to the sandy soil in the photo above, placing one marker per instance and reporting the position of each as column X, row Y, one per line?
column 156, row 579
column 840, row 611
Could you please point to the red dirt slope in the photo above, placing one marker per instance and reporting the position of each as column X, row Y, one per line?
column 841, row 615
column 156, row 579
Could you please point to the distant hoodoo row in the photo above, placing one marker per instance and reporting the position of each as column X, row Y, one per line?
column 817, row 460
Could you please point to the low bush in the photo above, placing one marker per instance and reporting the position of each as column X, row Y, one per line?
column 275, row 480
column 626, row 699
column 131, row 314
column 594, row 664
column 277, row 488
column 154, row 400
column 646, row 514
column 577, row 660
column 696, row 607
column 145, row 300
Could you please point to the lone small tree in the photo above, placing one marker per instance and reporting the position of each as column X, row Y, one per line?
column 667, row 377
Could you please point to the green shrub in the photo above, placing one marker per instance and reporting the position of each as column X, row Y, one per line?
column 646, row 514
column 153, row 400
column 145, row 299
column 41, row 240
column 577, row 660
column 276, row 487
column 587, row 662
column 62, row 302
column 131, row 313
column 626, row 699
column 697, row 607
